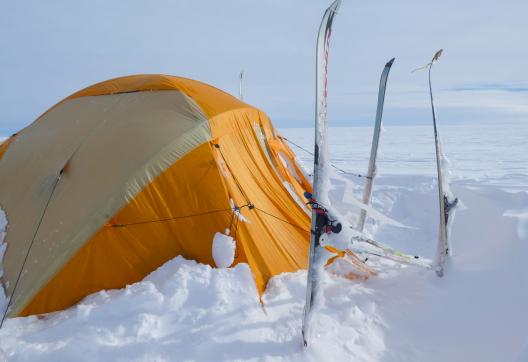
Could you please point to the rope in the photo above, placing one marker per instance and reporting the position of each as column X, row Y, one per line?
column 281, row 219
column 232, row 220
column 169, row 218
column 234, row 210
column 217, row 146
column 30, row 246
column 92, row 131
column 331, row 164
column 237, row 221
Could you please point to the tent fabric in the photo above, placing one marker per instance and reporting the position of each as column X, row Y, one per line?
column 152, row 166
column 103, row 187
column 4, row 144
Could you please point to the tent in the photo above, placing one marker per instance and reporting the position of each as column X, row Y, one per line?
column 124, row 175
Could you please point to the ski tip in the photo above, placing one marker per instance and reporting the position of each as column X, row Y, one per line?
column 335, row 6
column 439, row 273
column 389, row 63
column 437, row 56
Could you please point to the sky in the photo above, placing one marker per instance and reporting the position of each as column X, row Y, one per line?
column 50, row 49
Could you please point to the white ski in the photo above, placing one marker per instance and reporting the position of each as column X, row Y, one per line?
column 367, row 246
column 371, row 173
column 447, row 201
column 321, row 162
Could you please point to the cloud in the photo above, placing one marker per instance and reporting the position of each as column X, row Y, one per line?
column 512, row 88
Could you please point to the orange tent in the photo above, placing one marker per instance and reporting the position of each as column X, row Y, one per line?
column 124, row 175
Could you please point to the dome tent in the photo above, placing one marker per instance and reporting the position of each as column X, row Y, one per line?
column 122, row 176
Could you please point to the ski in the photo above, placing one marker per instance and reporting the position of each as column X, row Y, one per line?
column 363, row 245
column 320, row 178
column 447, row 201
column 371, row 173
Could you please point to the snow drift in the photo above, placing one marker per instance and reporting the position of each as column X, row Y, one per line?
column 189, row 311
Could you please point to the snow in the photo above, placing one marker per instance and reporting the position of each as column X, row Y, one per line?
column 350, row 199
column 223, row 250
column 186, row 311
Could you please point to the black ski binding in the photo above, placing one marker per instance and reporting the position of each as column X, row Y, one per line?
column 325, row 224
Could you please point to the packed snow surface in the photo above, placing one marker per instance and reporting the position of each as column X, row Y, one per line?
column 186, row 311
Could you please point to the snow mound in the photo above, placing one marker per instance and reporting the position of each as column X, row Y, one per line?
column 189, row 311
column 224, row 247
